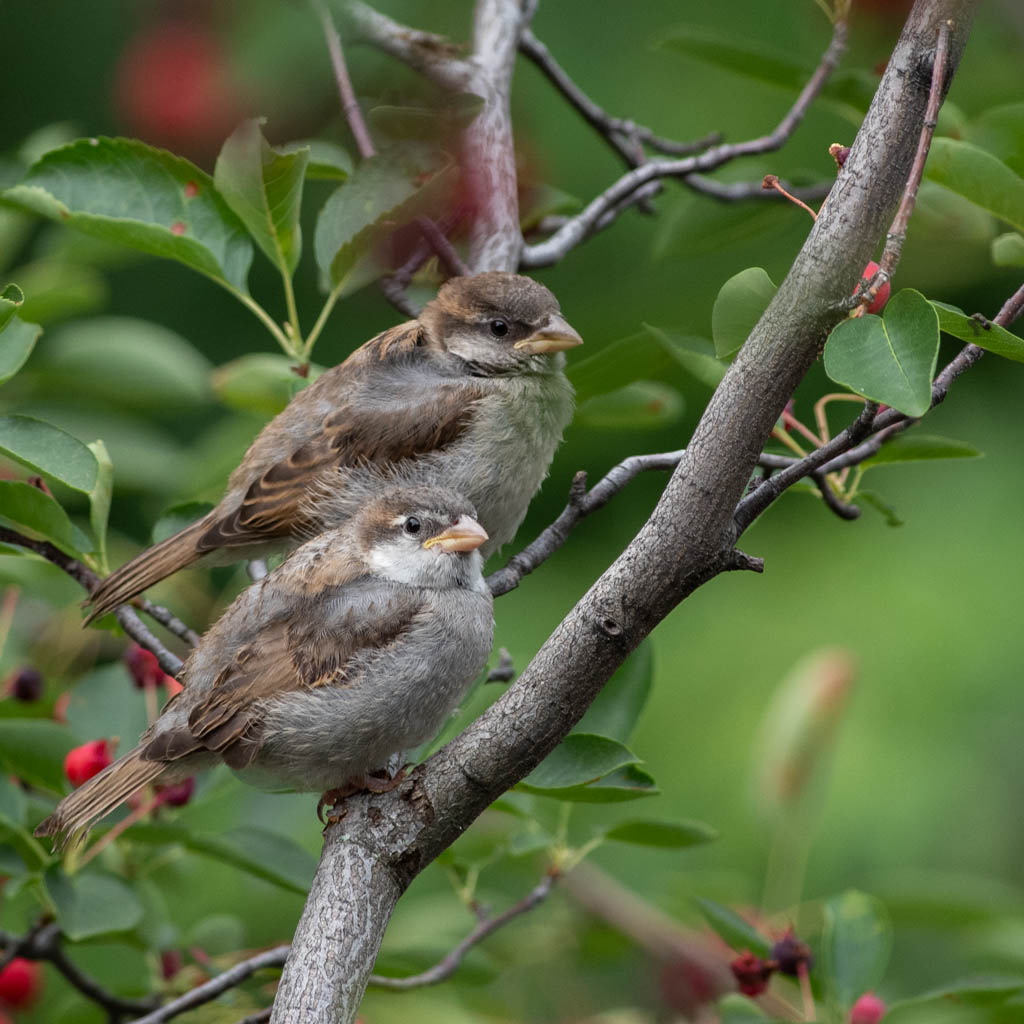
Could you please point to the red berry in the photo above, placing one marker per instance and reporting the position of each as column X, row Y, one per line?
column 25, row 684
column 751, row 973
column 879, row 301
column 869, row 1009
column 88, row 760
column 144, row 667
column 171, row 961
column 20, row 982
column 177, row 795
column 790, row 952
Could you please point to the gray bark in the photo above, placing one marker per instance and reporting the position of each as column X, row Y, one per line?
column 372, row 855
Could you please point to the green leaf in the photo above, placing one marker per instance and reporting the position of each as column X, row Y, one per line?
column 40, row 517
column 1008, row 250
column 105, row 703
column 29, row 850
column 913, row 447
column 264, row 854
column 874, row 500
column 327, row 160
column 695, row 355
column 387, row 187
column 855, row 945
column 641, row 405
column 99, row 499
column 218, row 934
column 124, row 191
column 10, row 299
column 740, row 304
column 668, row 835
column 127, row 363
column 736, row 932
column 48, row 450
column 57, row 290
column 34, row 750
column 978, row 176
column 638, row 357
column 177, row 517
column 617, row 707
column 890, row 359
column 91, row 904
column 579, row 759
column 264, row 187
column 426, row 123
column 260, row 382
column 543, row 200
column 12, row 802
column 992, row 338
column 623, row 784
column 736, row 1009
column 17, row 339
column 1000, row 131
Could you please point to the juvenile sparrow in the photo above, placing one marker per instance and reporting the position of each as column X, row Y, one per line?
column 358, row 646
column 470, row 395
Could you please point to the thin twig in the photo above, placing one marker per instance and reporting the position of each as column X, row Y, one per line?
column 577, row 228
column 170, row 622
column 209, row 990
column 898, row 231
column 442, row 248
column 446, row 967
column 505, row 670
column 349, row 103
column 82, row 574
column 259, row 1017
column 832, row 500
column 740, row 191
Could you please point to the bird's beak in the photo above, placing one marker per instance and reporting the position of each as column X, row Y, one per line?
column 553, row 335
column 466, row 535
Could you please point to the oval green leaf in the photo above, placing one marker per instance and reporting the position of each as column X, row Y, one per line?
column 10, row 299
column 260, row 382
column 48, row 450
column 741, row 302
column 855, row 945
column 736, row 932
column 616, row 709
column 978, row 176
column 641, row 405
column 1008, row 250
column 670, row 835
column 36, row 514
column 327, row 160
column 34, row 750
column 890, row 360
column 124, row 191
column 17, row 339
column 263, row 186
column 990, row 337
column 913, row 447
column 695, row 355
column 579, row 759
column 91, row 904
column 623, row 784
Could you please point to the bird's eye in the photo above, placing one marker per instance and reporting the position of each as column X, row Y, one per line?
column 412, row 525
column 499, row 328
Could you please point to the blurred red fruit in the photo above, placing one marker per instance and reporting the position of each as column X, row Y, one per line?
column 879, row 301
column 751, row 973
column 790, row 952
column 143, row 666
column 869, row 1009
column 171, row 961
column 177, row 795
column 173, row 87
column 20, row 982
column 88, row 760
column 25, row 684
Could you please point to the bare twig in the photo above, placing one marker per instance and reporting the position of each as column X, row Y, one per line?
column 209, row 990
column 898, row 231
column 585, row 223
column 443, row 249
column 170, row 622
column 739, row 191
column 82, row 574
column 446, row 967
column 349, row 103
column 505, row 670
column 832, row 500
column 44, row 943
column 394, row 285
column 259, row 1017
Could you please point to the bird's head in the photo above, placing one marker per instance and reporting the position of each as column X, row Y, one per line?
column 422, row 535
column 499, row 323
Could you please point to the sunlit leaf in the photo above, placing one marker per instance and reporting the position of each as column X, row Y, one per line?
column 990, row 337
column 891, row 358
column 48, row 450
column 741, row 302
column 855, row 946
column 124, row 191
column 263, row 186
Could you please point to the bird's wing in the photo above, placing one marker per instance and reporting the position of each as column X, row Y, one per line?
column 361, row 424
column 312, row 647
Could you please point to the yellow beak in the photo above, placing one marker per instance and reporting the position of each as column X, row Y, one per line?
column 466, row 535
column 553, row 335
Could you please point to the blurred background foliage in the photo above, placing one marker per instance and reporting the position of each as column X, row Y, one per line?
column 917, row 785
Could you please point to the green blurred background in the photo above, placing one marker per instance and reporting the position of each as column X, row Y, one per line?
column 923, row 798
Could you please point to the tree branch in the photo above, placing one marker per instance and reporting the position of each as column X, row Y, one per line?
column 446, row 967
column 585, row 223
column 82, row 574
column 371, row 855
column 209, row 990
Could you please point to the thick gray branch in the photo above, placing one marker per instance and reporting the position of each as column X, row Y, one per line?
column 386, row 839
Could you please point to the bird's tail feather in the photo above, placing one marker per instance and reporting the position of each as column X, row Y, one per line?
column 145, row 569
column 79, row 811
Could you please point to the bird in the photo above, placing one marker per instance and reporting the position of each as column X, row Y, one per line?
column 360, row 645
column 471, row 394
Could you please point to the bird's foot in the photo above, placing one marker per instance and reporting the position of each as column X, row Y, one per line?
column 379, row 782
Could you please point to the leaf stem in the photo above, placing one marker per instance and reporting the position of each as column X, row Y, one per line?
column 262, row 315
column 307, row 348
column 293, row 309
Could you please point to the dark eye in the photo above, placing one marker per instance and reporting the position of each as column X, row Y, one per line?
column 412, row 525
column 499, row 328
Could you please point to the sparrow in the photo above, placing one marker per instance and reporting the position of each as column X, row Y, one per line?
column 471, row 395
column 358, row 646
